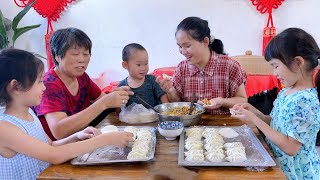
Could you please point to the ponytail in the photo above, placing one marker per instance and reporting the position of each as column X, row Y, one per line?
column 217, row 46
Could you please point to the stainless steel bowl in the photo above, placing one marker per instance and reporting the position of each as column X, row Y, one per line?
column 187, row 120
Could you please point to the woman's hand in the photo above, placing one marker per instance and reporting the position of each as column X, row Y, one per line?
column 120, row 139
column 166, row 84
column 215, row 103
column 87, row 133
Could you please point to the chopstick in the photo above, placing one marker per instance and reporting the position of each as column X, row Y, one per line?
column 138, row 97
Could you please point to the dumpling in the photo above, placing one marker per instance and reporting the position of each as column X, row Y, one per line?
column 144, row 135
column 233, row 144
column 196, row 145
column 215, row 151
column 235, row 150
column 195, row 158
column 166, row 76
column 136, row 155
column 215, row 157
column 195, row 131
column 209, row 146
column 133, row 130
column 228, row 133
column 141, row 143
column 214, row 139
column 194, row 155
column 143, row 132
column 109, row 128
column 236, row 158
column 194, row 138
column 191, row 152
column 209, row 131
column 142, row 149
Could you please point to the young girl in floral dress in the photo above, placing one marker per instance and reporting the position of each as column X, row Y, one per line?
column 294, row 122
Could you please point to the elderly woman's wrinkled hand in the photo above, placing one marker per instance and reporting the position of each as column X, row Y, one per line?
column 124, row 88
column 115, row 99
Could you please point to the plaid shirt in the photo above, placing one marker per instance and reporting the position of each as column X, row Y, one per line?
column 221, row 77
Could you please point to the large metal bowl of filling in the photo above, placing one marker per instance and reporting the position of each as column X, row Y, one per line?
column 179, row 111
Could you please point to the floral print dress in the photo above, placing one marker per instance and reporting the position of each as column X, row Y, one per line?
column 298, row 115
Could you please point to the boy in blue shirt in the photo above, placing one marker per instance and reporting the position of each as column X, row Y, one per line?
column 135, row 60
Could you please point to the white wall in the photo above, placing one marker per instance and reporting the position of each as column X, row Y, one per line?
column 111, row 24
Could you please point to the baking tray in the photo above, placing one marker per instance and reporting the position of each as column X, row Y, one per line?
column 110, row 154
column 256, row 154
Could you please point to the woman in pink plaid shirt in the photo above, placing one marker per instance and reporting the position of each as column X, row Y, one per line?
column 207, row 71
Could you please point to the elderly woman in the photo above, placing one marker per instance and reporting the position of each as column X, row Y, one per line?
column 72, row 100
column 207, row 72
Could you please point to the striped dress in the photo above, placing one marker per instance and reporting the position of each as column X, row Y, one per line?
column 21, row 166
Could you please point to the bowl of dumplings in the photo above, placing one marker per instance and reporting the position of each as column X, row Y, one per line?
column 170, row 129
column 179, row 111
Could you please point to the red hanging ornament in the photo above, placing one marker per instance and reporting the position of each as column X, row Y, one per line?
column 268, row 33
column 264, row 6
column 48, row 49
column 50, row 9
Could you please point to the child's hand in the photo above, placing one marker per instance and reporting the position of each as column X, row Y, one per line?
column 120, row 139
column 88, row 133
column 243, row 114
column 165, row 84
column 244, row 106
column 248, row 107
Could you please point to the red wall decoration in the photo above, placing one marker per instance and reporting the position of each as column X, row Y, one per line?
column 50, row 9
column 264, row 6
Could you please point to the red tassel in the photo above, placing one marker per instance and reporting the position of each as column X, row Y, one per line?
column 268, row 33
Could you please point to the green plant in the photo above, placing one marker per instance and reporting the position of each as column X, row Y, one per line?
column 16, row 31
column 3, row 34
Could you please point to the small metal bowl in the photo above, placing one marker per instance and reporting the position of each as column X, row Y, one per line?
column 187, row 120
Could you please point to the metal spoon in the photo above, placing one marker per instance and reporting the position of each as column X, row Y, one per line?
column 193, row 98
column 138, row 97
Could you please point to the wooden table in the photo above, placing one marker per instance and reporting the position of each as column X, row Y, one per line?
column 165, row 164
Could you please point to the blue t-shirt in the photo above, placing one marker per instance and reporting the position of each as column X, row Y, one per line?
column 149, row 91
column 298, row 115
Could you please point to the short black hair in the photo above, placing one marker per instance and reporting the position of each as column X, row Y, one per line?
column 128, row 49
column 20, row 65
column 62, row 39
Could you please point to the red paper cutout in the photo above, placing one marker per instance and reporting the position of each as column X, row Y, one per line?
column 50, row 9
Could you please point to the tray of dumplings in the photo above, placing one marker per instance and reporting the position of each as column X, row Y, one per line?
column 222, row 146
column 142, row 149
